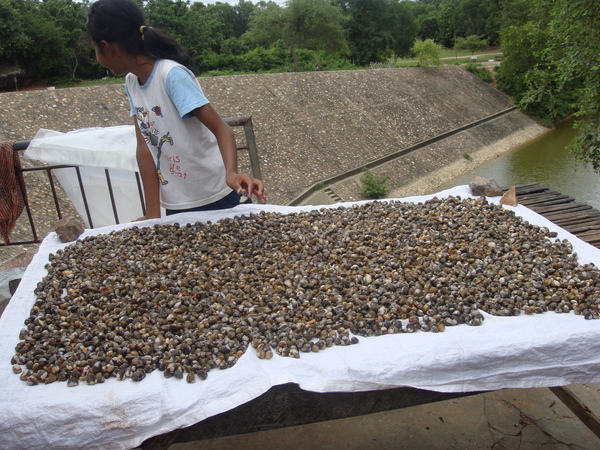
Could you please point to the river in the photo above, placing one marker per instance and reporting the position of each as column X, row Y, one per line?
column 544, row 160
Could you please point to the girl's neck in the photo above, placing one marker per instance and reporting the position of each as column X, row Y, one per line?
column 142, row 68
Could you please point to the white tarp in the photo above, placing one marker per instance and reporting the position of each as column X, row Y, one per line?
column 104, row 147
column 505, row 352
column 95, row 151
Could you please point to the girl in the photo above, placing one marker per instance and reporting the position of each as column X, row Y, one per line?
column 186, row 153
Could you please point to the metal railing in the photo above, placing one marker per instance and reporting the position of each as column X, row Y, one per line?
column 19, row 146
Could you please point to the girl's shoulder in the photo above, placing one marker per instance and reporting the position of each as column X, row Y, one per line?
column 166, row 64
column 166, row 68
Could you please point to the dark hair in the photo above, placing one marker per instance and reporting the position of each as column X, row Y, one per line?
column 123, row 22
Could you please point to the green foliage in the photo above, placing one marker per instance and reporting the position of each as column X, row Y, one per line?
column 574, row 54
column 377, row 29
column 307, row 24
column 480, row 72
column 42, row 37
column 461, row 18
column 427, row 52
column 274, row 59
column 551, row 65
column 403, row 28
column 260, row 59
column 524, row 36
column 473, row 43
column 267, row 26
column 373, row 186
column 48, row 36
column 586, row 146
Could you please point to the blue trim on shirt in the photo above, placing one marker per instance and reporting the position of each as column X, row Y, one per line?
column 183, row 88
column 185, row 92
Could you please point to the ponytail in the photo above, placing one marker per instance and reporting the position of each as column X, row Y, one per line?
column 158, row 44
column 123, row 22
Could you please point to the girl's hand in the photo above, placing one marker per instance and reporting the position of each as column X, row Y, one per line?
column 146, row 217
column 244, row 182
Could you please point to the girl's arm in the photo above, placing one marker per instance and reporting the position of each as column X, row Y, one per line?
column 226, row 140
column 149, row 176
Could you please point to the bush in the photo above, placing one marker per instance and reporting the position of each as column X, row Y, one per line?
column 373, row 186
column 480, row 72
column 427, row 52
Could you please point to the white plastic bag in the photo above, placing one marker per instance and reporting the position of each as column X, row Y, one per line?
column 94, row 150
column 108, row 147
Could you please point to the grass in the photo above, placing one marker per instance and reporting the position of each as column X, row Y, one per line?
column 451, row 53
column 448, row 56
column 456, row 57
column 83, row 83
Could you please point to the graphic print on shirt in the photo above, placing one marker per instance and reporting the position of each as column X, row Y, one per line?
column 163, row 139
column 146, row 127
column 156, row 110
column 151, row 134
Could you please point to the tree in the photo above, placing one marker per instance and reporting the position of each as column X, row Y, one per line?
column 268, row 24
column 523, row 38
column 570, row 67
column 241, row 19
column 429, row 27
column 369, row 30
column 472, row 16
column 310, row 24
column 403, row 28
column 41, row 37
column 427, row 52
column 447, row 18
column 472, row 43
column 169, row 16
column 68, row 16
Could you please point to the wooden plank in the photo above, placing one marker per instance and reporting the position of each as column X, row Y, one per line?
column 561, row 220
column 588, row 226
column 587, row 214
column 540, row 194
column 593, row 235
column 527, row 188
column 564, row 208
column 546, row 202
column 539, row 199
column 531, row 204
column 572, row 221
column 578, row 407
column 543, row 195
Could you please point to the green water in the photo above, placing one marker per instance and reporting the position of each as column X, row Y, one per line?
column 544, row 160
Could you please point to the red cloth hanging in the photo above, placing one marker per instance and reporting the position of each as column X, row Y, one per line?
column 11, row 198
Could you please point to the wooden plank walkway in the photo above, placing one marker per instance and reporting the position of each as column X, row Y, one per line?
column 577, row 218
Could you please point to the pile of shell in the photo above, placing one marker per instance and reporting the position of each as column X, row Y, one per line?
column 187, row 299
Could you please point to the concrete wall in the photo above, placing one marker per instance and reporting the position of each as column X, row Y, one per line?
column 309, row 126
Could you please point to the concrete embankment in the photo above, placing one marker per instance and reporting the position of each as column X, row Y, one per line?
column 312, row 127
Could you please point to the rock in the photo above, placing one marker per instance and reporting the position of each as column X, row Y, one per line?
column 510, row 197
column 486, row 187
column 68, row 229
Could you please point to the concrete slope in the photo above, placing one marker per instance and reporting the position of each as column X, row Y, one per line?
column 309, row 126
